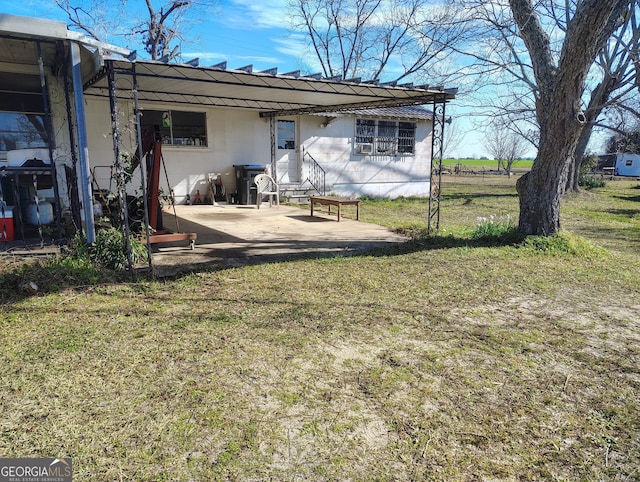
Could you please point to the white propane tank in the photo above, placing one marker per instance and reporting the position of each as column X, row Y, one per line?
column 45, row 211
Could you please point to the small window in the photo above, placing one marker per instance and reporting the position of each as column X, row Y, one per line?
column 177, row 128
column 384, row 137
column 23, row 123
column 20, row 131
column 406, row 137
column 286, row 134
column 629, row 162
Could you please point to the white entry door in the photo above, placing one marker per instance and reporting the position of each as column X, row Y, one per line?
column 287, row 151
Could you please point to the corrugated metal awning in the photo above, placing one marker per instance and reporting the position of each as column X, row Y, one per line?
column 267, row 92
column 410, row 112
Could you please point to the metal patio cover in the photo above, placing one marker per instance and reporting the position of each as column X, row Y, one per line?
column 267, row 92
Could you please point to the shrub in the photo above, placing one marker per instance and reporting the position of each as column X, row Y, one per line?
column 109, row 249
column 591, row 182
column 586, row 178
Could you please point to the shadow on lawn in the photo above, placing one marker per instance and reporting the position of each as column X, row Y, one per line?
column 433, row 243
column 470, row 197
column 628, row 198
column 629, row 213
column 55, row 275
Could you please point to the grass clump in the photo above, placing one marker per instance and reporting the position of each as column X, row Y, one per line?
column 79, row 264
column 591, row 182
column 496, row 230
column 48, row 276
column 586, row 177
column 108, row 250
column 564, row 244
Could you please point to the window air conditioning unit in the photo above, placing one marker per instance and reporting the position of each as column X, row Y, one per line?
column 365, row 148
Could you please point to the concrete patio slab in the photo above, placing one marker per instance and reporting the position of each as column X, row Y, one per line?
column 234, row 235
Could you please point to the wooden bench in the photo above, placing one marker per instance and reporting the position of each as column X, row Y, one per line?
column 336, row 201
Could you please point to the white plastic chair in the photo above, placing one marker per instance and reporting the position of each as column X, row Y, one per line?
column 266, row 186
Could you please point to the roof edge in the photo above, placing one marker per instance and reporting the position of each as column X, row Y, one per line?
column 51, row 29
column 38, row 27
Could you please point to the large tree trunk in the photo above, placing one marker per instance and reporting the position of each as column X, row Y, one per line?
column 542, row 188
column 559, row 90
column 599, row 97
column 581, row 148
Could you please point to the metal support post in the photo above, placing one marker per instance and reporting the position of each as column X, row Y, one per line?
column 83, row 148
column 143, row 166
column 272, row 134
column 72, row 184
column 50, row 141
column 435, row 180
column 118, row 165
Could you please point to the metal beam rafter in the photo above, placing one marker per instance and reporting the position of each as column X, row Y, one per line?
column 267, row 107
column 277, row 95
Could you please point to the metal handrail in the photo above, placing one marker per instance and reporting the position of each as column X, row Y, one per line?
column 317, row 175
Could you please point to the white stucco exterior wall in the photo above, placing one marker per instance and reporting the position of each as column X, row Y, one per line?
column 234, row 137
column 352, row 174
column 237, row 137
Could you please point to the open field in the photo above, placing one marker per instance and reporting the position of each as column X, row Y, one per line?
column 483, row 165
column 442, row 359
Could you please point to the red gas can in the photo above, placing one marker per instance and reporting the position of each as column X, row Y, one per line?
column 6, row 224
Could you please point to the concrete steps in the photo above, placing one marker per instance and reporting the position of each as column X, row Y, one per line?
column 297, row 193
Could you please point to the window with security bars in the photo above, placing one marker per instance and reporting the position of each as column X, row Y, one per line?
column 383, row 137
column 406, row 137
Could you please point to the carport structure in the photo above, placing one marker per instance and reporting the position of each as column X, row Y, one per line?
column 81, row 66
column 268, row 93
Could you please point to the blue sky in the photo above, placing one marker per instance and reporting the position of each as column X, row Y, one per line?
column 242, row 32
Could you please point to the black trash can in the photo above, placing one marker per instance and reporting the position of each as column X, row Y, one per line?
column 246, row 191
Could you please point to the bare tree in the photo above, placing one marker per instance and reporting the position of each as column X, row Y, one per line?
column 626, row 137
column 615, row 65
column 452, row 138
column 505, row 147
column 559, row 86
column 375, row 38
column 94, row 19
column 537, row 56
column 161, row 32
column 162, row 28
column 508, row 87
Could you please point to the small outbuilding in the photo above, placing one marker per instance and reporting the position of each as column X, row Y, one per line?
column 627, row 165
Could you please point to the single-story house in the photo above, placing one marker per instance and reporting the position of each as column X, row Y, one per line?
column 76, row 109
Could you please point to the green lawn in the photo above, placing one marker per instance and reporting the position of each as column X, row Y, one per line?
column 487, row 164
column 442, row 359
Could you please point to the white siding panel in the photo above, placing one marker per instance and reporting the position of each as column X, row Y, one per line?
column 351, row 174
column 235, row 137
column 238, row 137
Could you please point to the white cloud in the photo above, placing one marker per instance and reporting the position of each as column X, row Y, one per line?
column 294, row 45
column 262, row 14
